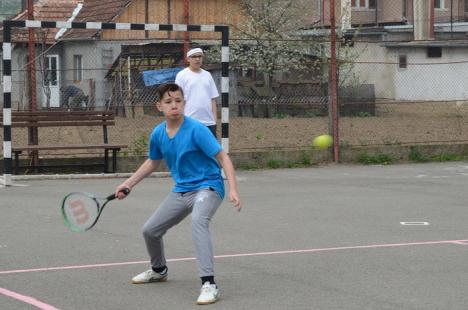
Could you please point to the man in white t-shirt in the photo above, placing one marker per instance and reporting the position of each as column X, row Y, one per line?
column 199, row 89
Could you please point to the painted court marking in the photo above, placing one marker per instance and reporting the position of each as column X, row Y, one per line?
column 414, row 223
column 44, row 306
column 356, row 247
column 27, row 299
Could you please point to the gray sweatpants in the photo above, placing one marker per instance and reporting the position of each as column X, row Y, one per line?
column 202, row 204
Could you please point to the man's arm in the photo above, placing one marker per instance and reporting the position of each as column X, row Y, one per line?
column 142, row 172
column 214, row 108
column 226, row 163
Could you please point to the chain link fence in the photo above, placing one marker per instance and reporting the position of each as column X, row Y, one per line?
column 392, row 90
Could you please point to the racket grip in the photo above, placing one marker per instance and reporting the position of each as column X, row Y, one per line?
column 126, row 191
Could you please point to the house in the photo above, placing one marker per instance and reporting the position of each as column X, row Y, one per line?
column 47, row 62
column 120, row 56
column 83, row 58
column 395, row 40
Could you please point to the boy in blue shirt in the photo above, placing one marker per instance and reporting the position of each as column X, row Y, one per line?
column 193, row 157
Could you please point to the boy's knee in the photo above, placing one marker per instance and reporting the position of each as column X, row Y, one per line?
column 151, row 232
column 200, row 221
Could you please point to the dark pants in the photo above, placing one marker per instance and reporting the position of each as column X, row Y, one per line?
column 212, row 128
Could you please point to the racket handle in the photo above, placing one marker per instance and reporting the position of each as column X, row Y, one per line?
column 126, row 191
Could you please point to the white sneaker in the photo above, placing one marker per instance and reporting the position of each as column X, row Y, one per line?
column 208, row 295
column 150, row 276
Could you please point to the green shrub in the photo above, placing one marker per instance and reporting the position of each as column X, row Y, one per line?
column 383, row 159
column 415, row 155
column 273, row 164
column 140, row 146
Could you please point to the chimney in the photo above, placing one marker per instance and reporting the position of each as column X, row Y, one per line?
column 423, row 21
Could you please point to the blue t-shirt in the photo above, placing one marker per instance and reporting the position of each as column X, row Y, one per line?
column 189, row 155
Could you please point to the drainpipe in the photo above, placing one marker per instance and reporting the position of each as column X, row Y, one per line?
column 432, row 18
column 146, row 17
column 377, row 13
column 31, row 59
column 451, row 19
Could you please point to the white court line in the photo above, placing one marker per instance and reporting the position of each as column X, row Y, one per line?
column 356, row 247
column 414, row 223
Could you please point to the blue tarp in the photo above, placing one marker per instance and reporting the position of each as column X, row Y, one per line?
column 156, row 77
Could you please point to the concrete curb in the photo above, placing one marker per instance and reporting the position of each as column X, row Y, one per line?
column 83, row 176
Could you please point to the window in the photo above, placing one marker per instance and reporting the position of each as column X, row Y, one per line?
column 51, row 70
column 363, row 4
column 107, row 55
column 402, row 62
column 434, row 52
column 77, row 68
column 439, row 4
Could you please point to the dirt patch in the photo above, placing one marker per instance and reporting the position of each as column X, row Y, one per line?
column 392, row 124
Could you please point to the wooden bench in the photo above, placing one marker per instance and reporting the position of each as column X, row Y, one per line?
column 42, row 118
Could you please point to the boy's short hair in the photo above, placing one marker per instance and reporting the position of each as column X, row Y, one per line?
column 168, row 87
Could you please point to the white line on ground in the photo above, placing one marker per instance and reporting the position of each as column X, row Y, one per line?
column 356, row 247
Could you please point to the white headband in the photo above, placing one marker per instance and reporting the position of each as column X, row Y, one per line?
column 194, row 51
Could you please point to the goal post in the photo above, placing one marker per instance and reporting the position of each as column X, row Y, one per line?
column 9, row 26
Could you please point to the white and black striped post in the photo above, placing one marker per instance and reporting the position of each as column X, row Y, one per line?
column 7, row 162
column 8, row 25
column 225, row 88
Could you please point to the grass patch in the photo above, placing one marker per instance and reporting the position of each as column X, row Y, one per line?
column 416, row 156
column 381, row 159
column 273, row 164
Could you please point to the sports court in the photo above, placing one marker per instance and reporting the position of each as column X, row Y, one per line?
column 318, row 238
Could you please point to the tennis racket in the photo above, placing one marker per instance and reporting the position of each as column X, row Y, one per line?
column 81, row 210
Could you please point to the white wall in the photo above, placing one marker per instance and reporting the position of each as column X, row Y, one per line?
column 443, row 80
column 372, row 67
column 424, row 78
column 92, row 62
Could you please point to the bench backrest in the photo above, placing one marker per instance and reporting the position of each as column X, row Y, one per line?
column 62, row 118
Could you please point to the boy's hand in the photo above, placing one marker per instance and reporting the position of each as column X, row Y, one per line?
column 234, row 198
column 119, row 191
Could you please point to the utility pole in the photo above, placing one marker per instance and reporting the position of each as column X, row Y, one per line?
column 334, row 84
column 33, row 137
column 186, row 21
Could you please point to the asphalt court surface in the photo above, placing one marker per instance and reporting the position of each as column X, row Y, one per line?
column 318, row 238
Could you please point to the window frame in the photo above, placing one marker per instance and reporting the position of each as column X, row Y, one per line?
column 441, row 5
column 357, row 5
column 402, row 61
column 77, row 68
column 434, row 52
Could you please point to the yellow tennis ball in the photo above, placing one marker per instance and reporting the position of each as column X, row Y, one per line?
column 322, row 141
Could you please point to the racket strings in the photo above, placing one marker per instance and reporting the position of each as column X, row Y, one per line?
column 80, row 211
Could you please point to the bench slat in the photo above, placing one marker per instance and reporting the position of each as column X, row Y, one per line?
column 27, row 119
column 60, row 118
column 42, row 112
column 60, row 124
column 68, row 147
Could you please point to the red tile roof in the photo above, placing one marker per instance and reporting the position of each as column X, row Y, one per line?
column 50, row 10
column 97, row 11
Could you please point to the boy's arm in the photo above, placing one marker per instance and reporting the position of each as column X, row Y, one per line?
column 226, row 163
column 142, row 172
